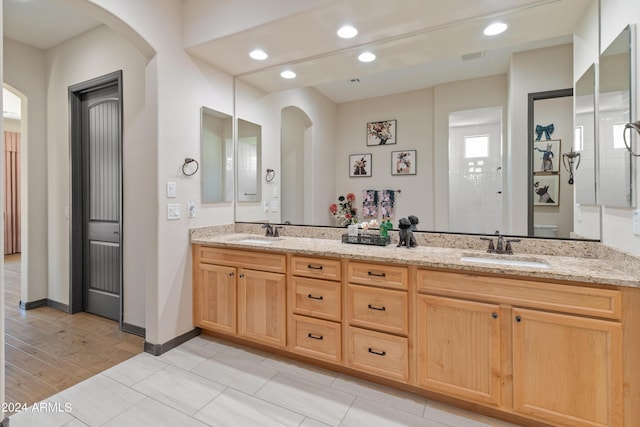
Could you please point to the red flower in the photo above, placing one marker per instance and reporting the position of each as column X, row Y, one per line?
column 333, row 208
column 348, row 216
column 351, row 197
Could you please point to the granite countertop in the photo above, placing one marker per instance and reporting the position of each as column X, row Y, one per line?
column 585, row 270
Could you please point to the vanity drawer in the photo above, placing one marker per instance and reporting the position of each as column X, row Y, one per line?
column 378, row 275
column 317, row 298
column 378, row 353
column 381, row 309
column 606, row 303
column 264, row 261
column 321, row 268
column 317, row 338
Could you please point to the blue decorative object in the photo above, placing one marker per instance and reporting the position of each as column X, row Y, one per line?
column 546, row 130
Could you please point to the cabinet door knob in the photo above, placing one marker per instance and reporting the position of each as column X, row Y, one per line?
column 315, row 297
column 241, row 276
column 377, row 353
column 518, row 319
column 372, row 307
column 494, row 315
column 315, row 337
column 231, row 274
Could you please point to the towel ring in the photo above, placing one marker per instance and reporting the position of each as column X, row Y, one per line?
column 270, row 175
column 633, row 125
column 186, row 170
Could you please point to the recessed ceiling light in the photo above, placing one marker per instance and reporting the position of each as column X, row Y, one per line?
column 258, row 54
column 495, row 29
column 288, row 74
column 347, row 32
column 366, row 57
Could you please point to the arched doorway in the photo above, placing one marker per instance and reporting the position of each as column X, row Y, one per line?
column 295, row 161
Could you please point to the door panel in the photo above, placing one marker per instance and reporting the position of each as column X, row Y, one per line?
column 101, row 190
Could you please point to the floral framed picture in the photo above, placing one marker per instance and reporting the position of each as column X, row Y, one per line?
column 403, row 162
column 359, row 165
column 381, row 133
column 546, row 190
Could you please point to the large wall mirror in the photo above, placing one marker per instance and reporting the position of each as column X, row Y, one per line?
column 615, row 106
column 314, row 127
column 216, row 145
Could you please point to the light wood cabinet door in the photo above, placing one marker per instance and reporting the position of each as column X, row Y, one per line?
column 459, row 348
column 215, row 298
column 567, row 370
column 262, row 307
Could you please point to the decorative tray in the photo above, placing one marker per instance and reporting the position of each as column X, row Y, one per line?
column 366, row 239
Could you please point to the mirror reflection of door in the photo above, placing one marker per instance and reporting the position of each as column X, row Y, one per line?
column 295, row 162
column 475, row 170
column 249, row 161
column 216, row 136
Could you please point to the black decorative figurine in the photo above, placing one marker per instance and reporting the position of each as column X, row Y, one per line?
column 414, row 222
column 406, row 235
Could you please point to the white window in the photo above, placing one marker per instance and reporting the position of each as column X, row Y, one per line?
column 618, row 137
column 578, row 138
column 476, row 146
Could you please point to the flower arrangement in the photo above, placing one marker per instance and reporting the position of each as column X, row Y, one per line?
column 344, row 211
column 380, row 130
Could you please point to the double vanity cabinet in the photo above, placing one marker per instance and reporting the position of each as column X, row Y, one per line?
column 537, row 352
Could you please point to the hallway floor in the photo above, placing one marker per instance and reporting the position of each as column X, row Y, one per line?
column 210, row 382
column 47, row 351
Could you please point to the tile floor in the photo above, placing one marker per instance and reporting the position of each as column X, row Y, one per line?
column 208, row 382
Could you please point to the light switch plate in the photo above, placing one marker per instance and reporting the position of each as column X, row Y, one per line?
column 173, row 211
column 171, row 189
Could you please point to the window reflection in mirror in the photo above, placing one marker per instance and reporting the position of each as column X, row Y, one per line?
column 216, row 138
column 614, row 111
column 475, row 170
column 249, row 161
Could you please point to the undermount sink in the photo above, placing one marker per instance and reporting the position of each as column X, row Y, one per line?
column 258, row 240
column 505, row 260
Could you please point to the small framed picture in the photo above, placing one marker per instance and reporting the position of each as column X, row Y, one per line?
column 359, row 165
column 381, row 133
column 546, row 190
column 546, row 156
column 403, row 162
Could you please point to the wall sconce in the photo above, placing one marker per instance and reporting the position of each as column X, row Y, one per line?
column 568, row 160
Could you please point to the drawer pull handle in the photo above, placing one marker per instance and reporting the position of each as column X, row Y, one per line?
column 494, row 315
column 371, row 273
column 377, row 353
column 314, row 267
column 372, row 307
column 314, row 297
column 315, row 337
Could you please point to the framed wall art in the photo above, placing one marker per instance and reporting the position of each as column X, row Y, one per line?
column 403, row 162
column 381, row 133
column 546, row 189
column 546, row 156
column 359, row 165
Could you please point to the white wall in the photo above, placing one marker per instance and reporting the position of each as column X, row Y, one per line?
column 24, row 70
column 533, row 71
column 413, row 112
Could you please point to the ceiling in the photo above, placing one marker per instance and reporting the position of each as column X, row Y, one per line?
column 419, row 43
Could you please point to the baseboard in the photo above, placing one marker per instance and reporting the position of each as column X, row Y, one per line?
column 133, row 329
column 45, row 302
column 158, row 349
column 33, row 304
column 58, row 306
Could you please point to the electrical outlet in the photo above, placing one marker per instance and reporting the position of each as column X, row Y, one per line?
column 275, row 206
column 636, row 222
column 191, row 208
column 173, row 210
